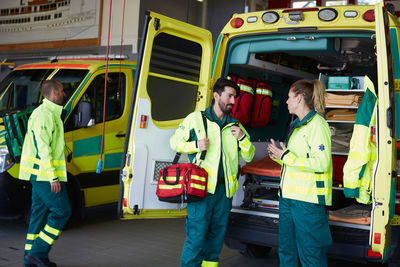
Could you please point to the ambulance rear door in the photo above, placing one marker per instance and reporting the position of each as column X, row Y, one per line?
column 384, row 180
column 172, row 80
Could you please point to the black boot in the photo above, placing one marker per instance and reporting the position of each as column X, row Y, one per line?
column 39, row 262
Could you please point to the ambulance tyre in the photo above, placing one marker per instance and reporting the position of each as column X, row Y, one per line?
column 256, row 251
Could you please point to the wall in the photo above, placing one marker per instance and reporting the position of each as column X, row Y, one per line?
column 131, row 23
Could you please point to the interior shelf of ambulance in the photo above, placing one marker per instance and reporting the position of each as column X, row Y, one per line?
column 340, row 60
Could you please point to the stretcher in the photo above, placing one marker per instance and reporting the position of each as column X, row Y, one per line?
column 262, row 185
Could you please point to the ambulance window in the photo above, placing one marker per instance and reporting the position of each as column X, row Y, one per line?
column 174, row 67
column 71, row 79
column 21, row 88
column 115, row 98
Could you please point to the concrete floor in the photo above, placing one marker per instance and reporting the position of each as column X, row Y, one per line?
column 103, row 240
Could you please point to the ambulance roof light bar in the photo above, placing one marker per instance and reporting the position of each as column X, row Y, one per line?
column 89, row 57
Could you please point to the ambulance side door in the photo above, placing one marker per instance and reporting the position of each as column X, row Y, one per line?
column 172, row 80
column 385, row 177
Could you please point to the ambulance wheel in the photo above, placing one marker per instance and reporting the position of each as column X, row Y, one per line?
column 256, row 251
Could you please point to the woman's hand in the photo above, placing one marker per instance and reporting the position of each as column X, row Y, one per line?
column 274, row 151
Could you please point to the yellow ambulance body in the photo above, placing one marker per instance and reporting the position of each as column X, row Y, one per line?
column 176, row 71
column 83, row 81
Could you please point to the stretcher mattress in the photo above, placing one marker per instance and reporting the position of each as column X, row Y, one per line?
column 263, row 167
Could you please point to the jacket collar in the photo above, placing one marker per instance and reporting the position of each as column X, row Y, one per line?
column 297, row 123
column 53, row 106
column 210, row 114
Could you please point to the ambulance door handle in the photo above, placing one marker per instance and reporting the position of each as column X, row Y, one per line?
column 120, row 135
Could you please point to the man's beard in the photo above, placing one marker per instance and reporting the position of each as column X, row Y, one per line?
column 225, row 109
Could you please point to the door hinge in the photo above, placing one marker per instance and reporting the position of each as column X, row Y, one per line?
column 156, row 24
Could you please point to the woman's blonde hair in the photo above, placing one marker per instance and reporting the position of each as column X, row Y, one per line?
column 313, row 93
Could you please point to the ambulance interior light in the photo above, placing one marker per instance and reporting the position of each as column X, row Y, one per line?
column 270, row 17
column 327, row 14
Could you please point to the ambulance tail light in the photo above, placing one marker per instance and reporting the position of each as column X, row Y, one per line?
column 377, row 238
column 237, row 23
column 369, row 15
column 327, row 14
column 125, row 202
column 143, row 121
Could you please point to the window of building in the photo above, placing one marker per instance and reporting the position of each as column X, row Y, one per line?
column 335, row 3
column 367, row 2
column 302, row 3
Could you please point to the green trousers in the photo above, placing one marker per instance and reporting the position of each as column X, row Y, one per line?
column 50, row 212
column 205, row 229
column 304, row 234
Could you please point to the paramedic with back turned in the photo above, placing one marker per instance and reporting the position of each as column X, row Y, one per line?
column 226, row 140
column 306, row 179
column 43, row 163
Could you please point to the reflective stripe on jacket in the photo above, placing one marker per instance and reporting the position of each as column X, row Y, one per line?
column 306, row 174
column 357, row 171
column 192, row 129
column 43, row 149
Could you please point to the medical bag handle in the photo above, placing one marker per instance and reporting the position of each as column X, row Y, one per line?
column 165, row 177
column 203, row 153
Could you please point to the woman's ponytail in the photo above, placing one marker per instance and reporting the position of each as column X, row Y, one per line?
column 319, row 97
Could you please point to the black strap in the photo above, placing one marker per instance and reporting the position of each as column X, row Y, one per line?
column 165, row 177
column 203, row 153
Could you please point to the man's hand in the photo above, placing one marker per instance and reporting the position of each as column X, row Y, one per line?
column 55, row 187
column 203, row 144
column 237, row 132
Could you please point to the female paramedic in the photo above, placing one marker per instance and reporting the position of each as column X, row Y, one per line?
column 306, row 179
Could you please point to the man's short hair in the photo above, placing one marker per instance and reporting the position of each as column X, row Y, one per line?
column 220, row 84
column 47, row 86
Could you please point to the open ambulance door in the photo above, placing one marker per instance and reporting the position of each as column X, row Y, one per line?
column 384, row 180
column 172, row 80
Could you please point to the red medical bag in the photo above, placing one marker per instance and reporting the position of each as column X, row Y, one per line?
column 262, row 105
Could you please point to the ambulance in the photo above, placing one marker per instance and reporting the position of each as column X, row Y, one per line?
column 84, row 82
column 343, row 46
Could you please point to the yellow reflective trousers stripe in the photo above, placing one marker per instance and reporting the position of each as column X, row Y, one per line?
column 46, row 238
column 52, row 230
column 209, row 264
column 28, row 246
column 31, row 236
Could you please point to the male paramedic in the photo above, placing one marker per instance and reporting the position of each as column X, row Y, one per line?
column 226, row 140
column 43, row 163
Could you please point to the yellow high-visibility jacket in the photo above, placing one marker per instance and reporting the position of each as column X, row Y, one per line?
column 43, row 149
column 221, row 143
column 306, row 173
column 357, row 171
